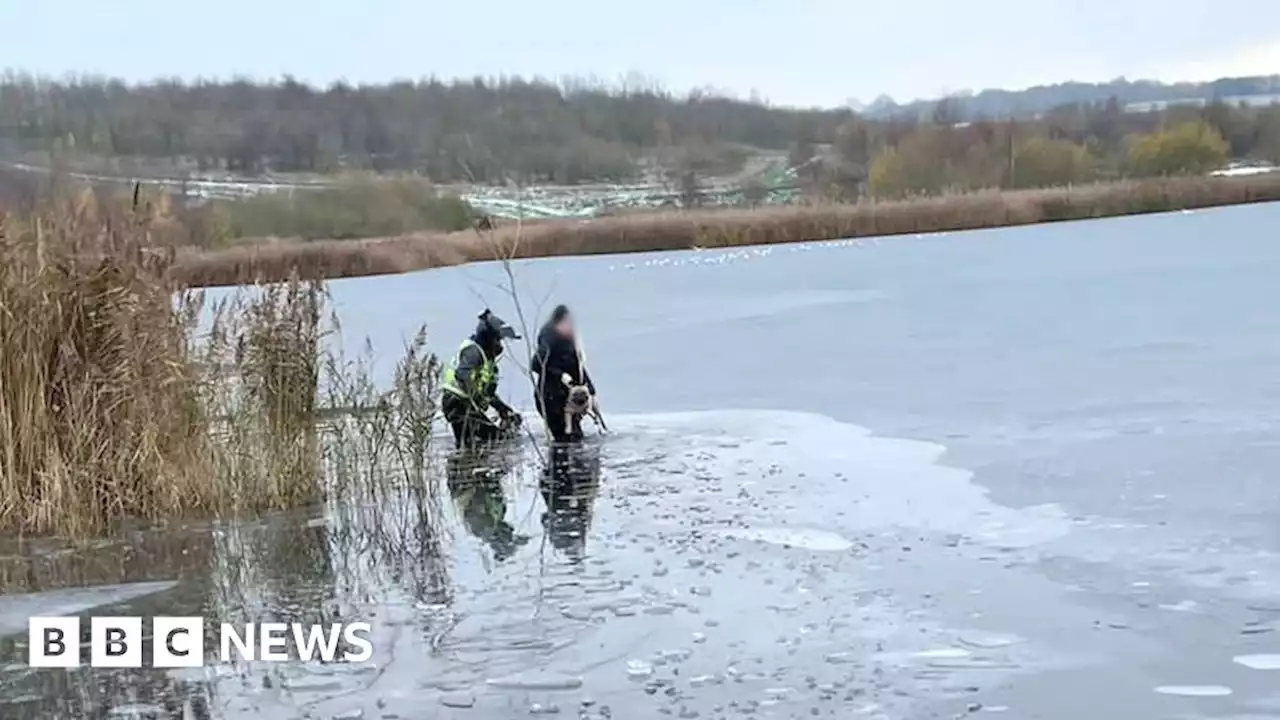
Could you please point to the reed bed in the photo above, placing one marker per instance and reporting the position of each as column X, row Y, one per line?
column 654, row 231
column 117, row 405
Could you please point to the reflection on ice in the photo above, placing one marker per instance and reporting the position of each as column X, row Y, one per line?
column 737, row 547
column 15, row 610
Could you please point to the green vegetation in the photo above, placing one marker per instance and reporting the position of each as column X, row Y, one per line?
column 938, row 158
column 116, row 404
column 1041, row 162
column 356, row 209
column 1189, row 148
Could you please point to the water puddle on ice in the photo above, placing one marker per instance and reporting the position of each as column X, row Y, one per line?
column 988, row 641
column 1194, row 690
column 817, row 540
column 820, row 469
column 536, row 682
column 1266, row 661
column 942, row 654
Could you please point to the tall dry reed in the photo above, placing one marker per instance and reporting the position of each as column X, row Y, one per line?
column 98, row 414
column 117, row 404
column 259, row 371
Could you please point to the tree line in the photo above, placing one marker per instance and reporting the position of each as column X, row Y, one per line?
column 482, row 131
column 530, row 131
column 1072, row 145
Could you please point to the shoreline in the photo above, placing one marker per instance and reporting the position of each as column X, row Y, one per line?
column 273, row 260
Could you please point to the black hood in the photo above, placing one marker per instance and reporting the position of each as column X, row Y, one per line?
column 491, row 329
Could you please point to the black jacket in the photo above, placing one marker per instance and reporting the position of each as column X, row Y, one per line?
column 557, row 356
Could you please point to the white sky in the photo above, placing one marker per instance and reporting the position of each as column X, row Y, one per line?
column 802, row 52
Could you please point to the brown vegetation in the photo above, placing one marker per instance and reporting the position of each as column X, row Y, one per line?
column 114, row 406
column 645, row 232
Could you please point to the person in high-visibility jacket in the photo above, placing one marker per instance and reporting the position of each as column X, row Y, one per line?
column 481, row 499
column 470, row 386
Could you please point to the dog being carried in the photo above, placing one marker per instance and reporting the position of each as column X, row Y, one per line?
column 581, row 404
column 563, row 388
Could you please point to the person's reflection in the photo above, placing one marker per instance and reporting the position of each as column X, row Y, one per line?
column 569, row 486
column 475, row 483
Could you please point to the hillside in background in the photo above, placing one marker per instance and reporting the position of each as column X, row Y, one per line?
column 1037, row 100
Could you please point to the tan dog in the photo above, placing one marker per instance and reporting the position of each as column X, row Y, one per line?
column 577, row 407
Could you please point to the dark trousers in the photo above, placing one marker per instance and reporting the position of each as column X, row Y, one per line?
column 551, row 404
column 471, row 427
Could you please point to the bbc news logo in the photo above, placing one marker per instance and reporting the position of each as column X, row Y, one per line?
column 178, row 642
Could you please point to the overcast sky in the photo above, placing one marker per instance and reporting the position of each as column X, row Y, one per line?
column 797, row 52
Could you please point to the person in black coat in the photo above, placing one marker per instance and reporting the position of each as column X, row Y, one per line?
column 557, row 367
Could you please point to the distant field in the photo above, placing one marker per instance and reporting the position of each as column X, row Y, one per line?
column 654, row 231
column 545, row 201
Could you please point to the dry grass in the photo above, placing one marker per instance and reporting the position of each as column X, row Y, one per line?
column 646, row 232
column 115, row 405
column 94, row 411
